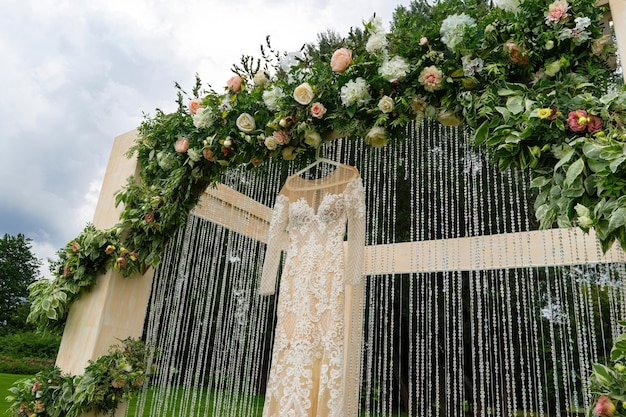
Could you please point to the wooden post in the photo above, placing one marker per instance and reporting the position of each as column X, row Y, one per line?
column 116, row 307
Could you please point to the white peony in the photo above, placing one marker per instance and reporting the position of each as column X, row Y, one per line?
column 203, row 119
column 394, row 69
column 271, row 98
column 508, row 5
column 376, row 42
column 355, row 92
column 453, row 27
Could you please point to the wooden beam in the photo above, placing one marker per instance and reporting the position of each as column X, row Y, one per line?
column 540, row 248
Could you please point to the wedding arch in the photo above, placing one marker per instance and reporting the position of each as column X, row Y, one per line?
column 543, row 121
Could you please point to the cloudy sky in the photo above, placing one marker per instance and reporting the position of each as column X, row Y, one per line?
column 75, row 74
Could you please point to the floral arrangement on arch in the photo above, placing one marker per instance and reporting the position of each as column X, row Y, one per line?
column 535, row 80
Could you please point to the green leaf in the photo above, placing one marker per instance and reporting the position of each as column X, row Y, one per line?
column 574, row 171
column 617, row 219
column 515, row 104
column 616, row 163
column 565, row 158
column 481, row 133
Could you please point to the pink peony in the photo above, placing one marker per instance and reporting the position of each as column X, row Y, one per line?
column 318, row 110
column 234, row 83
column 594, row 124
column 281, row 137
column 194, row 105
column 341, row 59
column 577, row 120
column 604, row 407
column 181, row 145
column 431, row 78
column 556, row 11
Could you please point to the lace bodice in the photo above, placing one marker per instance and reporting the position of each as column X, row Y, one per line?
column 308, row 374
column 308, row 228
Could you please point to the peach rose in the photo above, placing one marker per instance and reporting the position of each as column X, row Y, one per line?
column 303, row 94
column 181, row 145
column 234, row 83
column 341, row 59
column 208, row 154
column 318, row 110
column 194, row 105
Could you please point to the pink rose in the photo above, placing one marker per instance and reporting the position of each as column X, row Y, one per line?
column 36, row 387
column 181, row 145
column 121, row 261
column 577, row 120
column 556, row 11
column 75, row 246
column 281, row 137
column 234, row 83
column 341, row 59
column 194, row 105
column 604, row 407
column 148, row 218
column 594, row 124
column 431, row 78
column 318, row 110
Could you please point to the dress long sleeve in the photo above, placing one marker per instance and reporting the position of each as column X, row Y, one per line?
column 275, row 244
column 355, row 210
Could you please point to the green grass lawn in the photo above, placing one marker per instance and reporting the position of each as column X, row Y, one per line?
column 6, row 382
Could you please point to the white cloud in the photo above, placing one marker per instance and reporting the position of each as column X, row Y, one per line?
column 77, row 74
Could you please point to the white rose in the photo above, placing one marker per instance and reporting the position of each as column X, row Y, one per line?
column 270, row 143
column 376, row 137
column 386, row 104
column 245, row 123
column 312, row 138
column 260, row 78
column 303, row 94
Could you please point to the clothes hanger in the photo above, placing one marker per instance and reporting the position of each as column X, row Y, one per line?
column 318, row 160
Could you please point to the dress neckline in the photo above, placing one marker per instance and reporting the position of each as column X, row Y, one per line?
column 328, row 181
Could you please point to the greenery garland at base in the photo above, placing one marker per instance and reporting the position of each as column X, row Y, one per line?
column 107, row 382
column 532, row 78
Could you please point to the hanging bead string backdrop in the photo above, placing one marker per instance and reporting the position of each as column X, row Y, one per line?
column 442, row 339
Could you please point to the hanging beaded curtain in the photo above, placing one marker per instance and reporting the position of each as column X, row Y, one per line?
column 440, row 337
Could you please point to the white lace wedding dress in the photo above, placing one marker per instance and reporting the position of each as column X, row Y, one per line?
column 308, row 370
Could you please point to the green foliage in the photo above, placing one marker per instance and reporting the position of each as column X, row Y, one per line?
column 24, row 365
column 610, row 380
column 18, row 269
column 30, row 344
column 107, row 381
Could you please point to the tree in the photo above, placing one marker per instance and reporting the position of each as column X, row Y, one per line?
column 18, row 269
